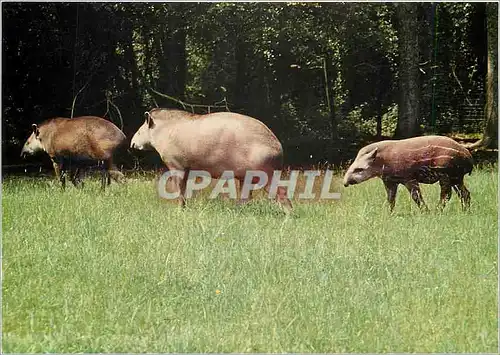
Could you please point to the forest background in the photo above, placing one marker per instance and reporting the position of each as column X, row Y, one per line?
column 325, row 77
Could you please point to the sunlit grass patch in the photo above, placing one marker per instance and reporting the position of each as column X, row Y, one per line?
column 124, row 271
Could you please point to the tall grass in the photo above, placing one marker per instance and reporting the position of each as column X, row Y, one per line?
column 122, row 271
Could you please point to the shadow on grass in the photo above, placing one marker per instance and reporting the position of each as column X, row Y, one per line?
column 255, row 207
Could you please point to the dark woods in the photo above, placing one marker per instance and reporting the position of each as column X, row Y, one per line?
column 325, row 77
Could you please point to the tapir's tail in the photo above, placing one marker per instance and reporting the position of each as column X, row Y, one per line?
column 470, row 167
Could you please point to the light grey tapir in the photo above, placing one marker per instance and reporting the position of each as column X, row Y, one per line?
column 215, row 142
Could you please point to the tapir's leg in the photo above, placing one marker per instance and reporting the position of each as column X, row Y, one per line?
column 72, row 176
column 75, row 177
column 105, row 166
column 282, row 198
column 57, row 169
column 80, row 176
column 463, row 193
column 62, row 178
column 281, row 195
column 114, row 173
column 415, row 193
column 60, row 168
column 182, row 188
column 241, row 200
column 117, row 175
column 178, row 183
column 445, row 191
column 104, row 175
column 391, row 188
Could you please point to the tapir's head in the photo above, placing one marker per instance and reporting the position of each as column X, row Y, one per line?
column 142, row 138
column 33, row 143
column 363, row 168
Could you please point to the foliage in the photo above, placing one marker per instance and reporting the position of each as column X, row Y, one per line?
column 273, row 61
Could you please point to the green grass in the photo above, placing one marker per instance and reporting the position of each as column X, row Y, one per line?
column 124, row 272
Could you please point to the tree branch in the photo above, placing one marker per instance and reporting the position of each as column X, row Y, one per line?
column 192, row 106
column 460, row 84
column 78, row 93
column 482, row 143
column 108, row 98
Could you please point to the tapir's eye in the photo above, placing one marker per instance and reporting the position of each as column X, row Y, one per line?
column 358, row 170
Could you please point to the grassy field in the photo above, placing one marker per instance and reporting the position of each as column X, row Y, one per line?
column 125, row 272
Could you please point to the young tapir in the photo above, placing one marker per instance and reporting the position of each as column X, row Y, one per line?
column 216, row 142
column 72, row 143
column 426, row 160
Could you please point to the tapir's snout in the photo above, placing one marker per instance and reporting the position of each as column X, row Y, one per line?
column 349, row 181
column 138, row 145
column 346, row 180
column 134, row 145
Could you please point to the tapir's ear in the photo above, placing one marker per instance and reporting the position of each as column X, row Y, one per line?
column 35, row 129
column 149, row 120
column 372, row 154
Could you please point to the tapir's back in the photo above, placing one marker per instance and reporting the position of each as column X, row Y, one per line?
column 424, row 153
column 215, row 142
column 86, row 136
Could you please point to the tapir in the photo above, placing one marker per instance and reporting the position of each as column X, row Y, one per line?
column 425, row 159
column 214, row 142
column 74, row 142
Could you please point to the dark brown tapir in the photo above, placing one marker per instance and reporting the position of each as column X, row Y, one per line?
column 72, row 143
column 426, row 160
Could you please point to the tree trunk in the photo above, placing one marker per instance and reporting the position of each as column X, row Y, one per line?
column 160, row 49
column 409, row 100
column 240, row 95
column 136, row 94
column 177, row 63
column 490, row 132
column 331, row 108
column 379, row 118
